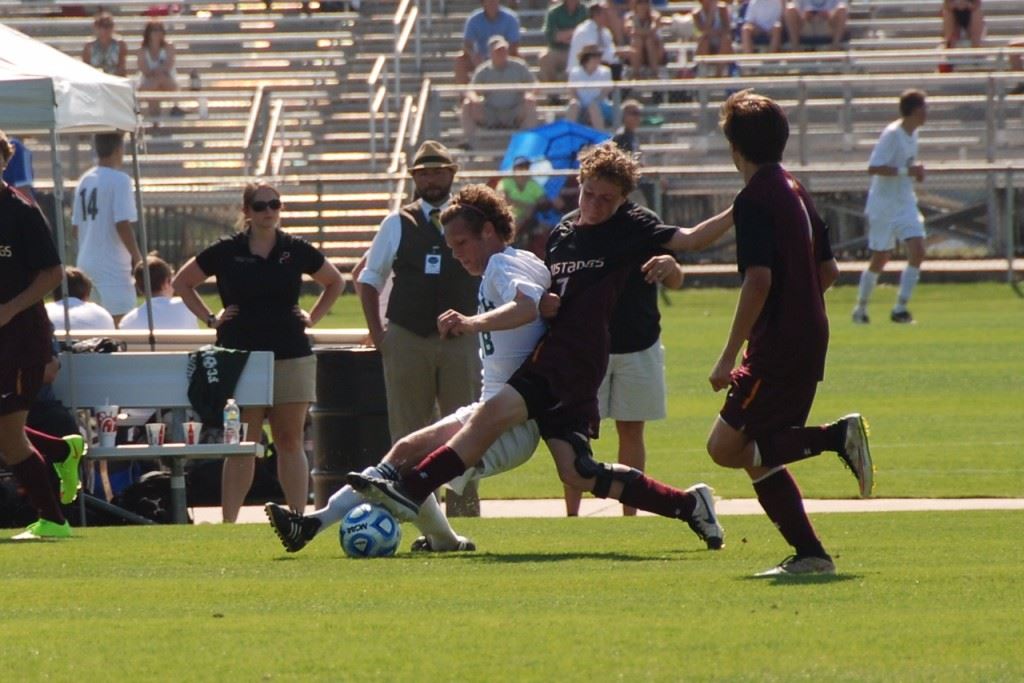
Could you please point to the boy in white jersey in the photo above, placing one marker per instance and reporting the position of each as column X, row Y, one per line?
column 102, row 221
column 478, row 228
column 892, row 206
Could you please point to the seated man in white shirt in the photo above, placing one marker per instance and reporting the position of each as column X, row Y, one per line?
column 169, row 311
column 590, row 84
column 595, row 31
column 83, row 314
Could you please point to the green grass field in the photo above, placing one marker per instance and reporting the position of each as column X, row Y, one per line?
column 943, row 396
column 920, row 597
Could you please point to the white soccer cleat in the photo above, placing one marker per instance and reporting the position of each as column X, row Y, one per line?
column 703, row 519
column 856, row 452
column 800, row 565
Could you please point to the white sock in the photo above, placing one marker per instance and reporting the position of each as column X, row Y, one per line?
column 908, row 280
column 868, row 280
column 434, row 525
column 340, row 503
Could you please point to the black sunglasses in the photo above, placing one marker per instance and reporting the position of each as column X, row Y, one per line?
column 259, row 206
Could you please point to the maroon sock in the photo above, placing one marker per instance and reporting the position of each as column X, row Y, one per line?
column 797, row 443
column 52, row 448
column 34, row 475
column 651, row 495
column 781, row 499
column 436, row 469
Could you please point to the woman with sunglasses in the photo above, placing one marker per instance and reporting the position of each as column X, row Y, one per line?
column 259, row 276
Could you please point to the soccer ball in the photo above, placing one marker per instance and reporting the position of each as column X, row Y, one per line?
column 370, row 531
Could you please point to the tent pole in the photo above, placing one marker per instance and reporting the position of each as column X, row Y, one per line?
column 58, row 220
column 143, row 242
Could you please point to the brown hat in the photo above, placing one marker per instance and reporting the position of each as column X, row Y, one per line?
column 433, row 154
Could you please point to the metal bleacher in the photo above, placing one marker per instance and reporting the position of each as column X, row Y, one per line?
column 325, row 102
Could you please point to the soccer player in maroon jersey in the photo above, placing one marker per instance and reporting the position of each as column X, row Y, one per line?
column 590, row 254
column 784, row 257
column 29, row 269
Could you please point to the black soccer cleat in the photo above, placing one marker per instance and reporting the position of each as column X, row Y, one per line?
column 423, row 545
column 386, row 493
column 903, row 317
column 294, row 530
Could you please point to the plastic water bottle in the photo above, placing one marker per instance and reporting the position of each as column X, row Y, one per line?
column 232, row 422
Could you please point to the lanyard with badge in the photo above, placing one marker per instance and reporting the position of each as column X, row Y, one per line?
column 432, row 261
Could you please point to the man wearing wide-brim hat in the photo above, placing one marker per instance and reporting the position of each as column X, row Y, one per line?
column 420, row 368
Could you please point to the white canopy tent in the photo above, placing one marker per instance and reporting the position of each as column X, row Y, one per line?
column 42, row 90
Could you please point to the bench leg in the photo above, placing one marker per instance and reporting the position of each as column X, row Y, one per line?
column 178, row 499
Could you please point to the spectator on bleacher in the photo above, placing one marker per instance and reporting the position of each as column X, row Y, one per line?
column 169, row 311
column 615, row 16
column 595, row 31
column 960, row 17
column 625, row 136
column 559, row 23
column 712, row 24
column 590, row 84
column 259, row 277
column 83, row 314
column 647, row 53
column 1017, row 64
column 802, row 14
column 891, row 209
column 156, row 65
column 490, row 20
column 106, row 53
column 527, row 200
column 496, row 109
column 762, row 18
column 102, row 221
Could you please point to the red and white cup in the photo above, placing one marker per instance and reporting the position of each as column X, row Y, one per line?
column 192, row 431
column 106, row 424
column 155, row 433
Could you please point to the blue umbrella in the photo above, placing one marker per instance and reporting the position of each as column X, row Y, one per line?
column 557, row 143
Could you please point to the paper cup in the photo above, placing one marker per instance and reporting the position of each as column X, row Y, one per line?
column 155, row 433
column 106, row 424
column 191, row 431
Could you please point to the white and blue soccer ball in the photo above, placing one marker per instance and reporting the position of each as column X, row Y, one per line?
column 370, row 531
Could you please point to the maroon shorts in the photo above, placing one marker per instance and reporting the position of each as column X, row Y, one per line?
column 556, row 418
column 758, row 407
column 19, row 387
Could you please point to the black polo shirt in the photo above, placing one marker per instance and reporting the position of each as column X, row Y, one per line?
column 26, row 248
column 266, row 292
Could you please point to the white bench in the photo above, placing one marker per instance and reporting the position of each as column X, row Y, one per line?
column 157, row 380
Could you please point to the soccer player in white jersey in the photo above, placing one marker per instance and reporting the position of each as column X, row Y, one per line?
column 102, row 220
column 478, row 228
column 892, row 206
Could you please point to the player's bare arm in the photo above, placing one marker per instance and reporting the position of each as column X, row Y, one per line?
column 703, row 235
column 549, row 305
column 126, row 231
column 665, row 270
column 757, row 281
column 515, row 313
column 915, row 171
column 45, row 281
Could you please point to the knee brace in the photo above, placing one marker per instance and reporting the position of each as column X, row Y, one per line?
column 602, row 472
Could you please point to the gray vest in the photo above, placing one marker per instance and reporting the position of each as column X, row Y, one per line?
column 417, row 298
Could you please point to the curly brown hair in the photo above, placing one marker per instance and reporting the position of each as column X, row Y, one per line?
column 607, row 162
column 479, row 204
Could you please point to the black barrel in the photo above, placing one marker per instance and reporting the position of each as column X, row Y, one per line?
column 350, row 416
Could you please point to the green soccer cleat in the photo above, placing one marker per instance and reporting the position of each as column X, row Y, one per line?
column 44, row 529
column 67, row 471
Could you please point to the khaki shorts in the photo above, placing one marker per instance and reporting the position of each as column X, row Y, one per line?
column 295, row 380
column 633, row 389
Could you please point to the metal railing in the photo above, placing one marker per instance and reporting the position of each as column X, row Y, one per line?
column 376, row 95
column 397, row 166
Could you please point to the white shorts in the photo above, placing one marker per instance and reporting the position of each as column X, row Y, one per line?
column 511, row 450
column 885, row 229
column 117, row 298
column 633, row 389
